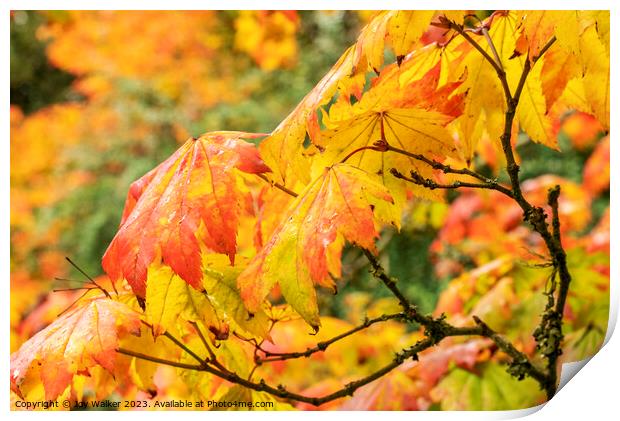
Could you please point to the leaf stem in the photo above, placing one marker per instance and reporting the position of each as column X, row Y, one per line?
column 158, row 360
column 212, row 357
column 278, row 185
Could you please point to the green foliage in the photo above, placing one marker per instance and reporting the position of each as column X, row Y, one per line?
column 35, row 83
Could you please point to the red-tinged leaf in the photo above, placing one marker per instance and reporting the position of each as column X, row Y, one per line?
column 574, row 202
column 434, row 364
column 582, row 129
column 190, row 200
column 596, row 173
column 559, row 67
column 599, row 237
column 306, row 246
column 410, row 119
column 82, row 338
column 269, row 202
column 392, row 392
column 538, row 28
column 283, row 149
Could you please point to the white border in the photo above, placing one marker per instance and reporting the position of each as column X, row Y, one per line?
column 593, row 392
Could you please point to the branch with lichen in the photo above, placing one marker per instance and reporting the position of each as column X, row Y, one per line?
column 549, row 332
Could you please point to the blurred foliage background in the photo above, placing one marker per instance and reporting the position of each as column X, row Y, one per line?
column 100, row 98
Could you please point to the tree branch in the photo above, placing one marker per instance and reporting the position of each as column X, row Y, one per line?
column 549, row 333
column 437, row 329
column 496, row 65
column 348, row 390
column 158, row 360
column 520, row 365
column 432, row 185
column 322, row 346
column 378, row 272
column 447, row 169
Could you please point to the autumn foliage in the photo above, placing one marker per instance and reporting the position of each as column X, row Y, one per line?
column 219, row 269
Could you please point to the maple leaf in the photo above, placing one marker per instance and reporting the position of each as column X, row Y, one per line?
column 538, row 28
column 169, row 299
column 491, row 389
column 283, row 149
column 189, row 200
column 217, row 304
column 596, row 73
column 559, row 67
column 485, row 90
column 532, row 108
column 435, row 364
column 220, row 284
column 405, row 29
column 400, row 29
column 78, row 340
column 306, row 246
column 509, row 34
column 413, row 120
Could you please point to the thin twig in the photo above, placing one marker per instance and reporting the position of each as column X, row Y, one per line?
column 446, row 169
column 73, row 289
column 323, row 345
column 521, row 364
column 379, row 273
column 278, row 185
column 158, row 360
column 212, row 356
column 497, row 66
column 432, row 185
column 89, row 278
column 485, row 32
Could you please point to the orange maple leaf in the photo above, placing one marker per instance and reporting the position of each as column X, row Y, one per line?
column 191, row 197
column 82, row 338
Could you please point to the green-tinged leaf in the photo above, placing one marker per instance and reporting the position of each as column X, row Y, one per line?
column 305, row 249
column 169, row 298
column 220, row 283
column 489, row 389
